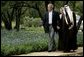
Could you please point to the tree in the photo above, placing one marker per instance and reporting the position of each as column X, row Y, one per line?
column 18, row 14
column 7, row 14
column 33, row 9
column 10, row 10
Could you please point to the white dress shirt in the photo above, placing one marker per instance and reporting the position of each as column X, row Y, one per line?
column 50, row 17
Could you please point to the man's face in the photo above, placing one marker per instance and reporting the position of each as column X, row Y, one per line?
column 50, row 7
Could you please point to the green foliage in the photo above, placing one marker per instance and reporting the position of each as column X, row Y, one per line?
column 77, row 6
column 80, row 39
column 33, row 37
column 13, row 42
column 32, row 10
column 26, row 41
column 32, row 22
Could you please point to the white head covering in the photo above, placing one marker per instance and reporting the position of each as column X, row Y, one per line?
column 63, row 11
column 70, row 13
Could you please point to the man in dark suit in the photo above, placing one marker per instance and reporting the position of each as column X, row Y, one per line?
column 50, row 20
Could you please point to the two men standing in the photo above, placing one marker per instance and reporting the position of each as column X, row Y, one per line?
column 51, row 20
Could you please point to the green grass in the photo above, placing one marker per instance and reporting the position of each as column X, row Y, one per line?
column 13, row 42
column 80, row 38
column 26, row 41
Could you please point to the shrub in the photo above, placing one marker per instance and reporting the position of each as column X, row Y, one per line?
column 24, row 41
column 32, row 22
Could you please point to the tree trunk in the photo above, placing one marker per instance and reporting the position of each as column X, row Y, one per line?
column 18, row 15
column 9, row 21
column 17, row 19
column 79, row 23
column 6, row 21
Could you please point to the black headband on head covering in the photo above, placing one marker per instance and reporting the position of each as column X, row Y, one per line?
column 65, row 3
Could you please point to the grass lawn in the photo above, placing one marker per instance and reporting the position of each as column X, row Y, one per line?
column 27, row 40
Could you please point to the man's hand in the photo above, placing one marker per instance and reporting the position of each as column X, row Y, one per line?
column 58, row 27
column 70, row 27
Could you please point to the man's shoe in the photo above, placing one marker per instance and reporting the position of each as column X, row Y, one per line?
column 53, row 50
column 49, row 50
column 66, row 51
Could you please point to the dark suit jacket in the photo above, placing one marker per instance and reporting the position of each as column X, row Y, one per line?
column 55, row 19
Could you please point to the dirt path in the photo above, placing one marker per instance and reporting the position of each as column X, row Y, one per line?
column 55, row 53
